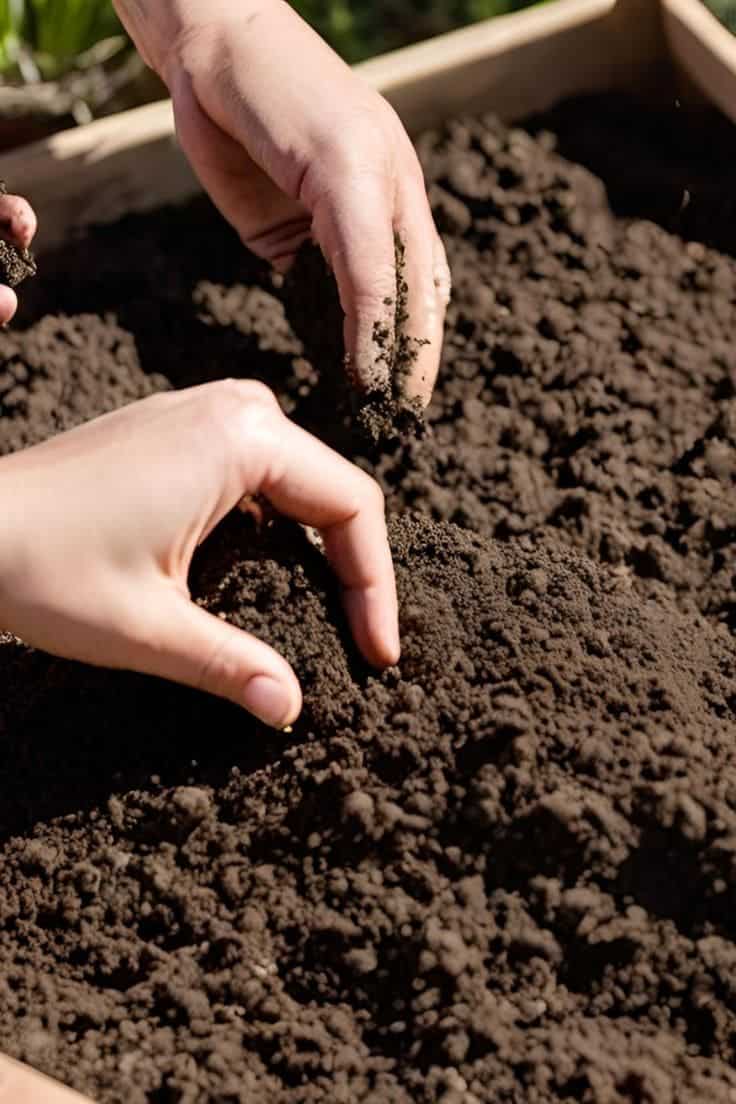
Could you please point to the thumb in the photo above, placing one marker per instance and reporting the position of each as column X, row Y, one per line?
column 20, row 1084
column 195, row 648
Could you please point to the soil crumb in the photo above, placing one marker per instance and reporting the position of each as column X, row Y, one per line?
column 505, row 870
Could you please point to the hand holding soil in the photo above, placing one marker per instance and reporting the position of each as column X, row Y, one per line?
column 101, row 524
column 290, row 144
column 17, row 229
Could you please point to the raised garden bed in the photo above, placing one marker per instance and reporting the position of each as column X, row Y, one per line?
column 503, row 872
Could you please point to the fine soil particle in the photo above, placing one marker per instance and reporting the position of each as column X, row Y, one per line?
column 505, row 870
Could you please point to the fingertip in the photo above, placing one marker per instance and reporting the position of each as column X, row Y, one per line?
column 275, row 699
column 369, row 343
column 374, row 621
column 420, row 384
column 8, row 304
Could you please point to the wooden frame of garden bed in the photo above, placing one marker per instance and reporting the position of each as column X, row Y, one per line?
column 514, row 65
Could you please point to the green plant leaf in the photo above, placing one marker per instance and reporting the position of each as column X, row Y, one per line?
column 11, row 26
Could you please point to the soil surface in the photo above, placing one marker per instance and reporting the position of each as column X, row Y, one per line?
column 506, row 870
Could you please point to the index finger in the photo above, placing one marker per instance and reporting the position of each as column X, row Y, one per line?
column 307, row 481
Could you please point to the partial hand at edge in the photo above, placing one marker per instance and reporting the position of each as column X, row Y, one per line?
column 17, row 226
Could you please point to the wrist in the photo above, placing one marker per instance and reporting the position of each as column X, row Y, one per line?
column 161, row 29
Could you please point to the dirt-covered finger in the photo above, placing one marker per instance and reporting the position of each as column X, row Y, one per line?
column 427, row 289
column 354, row 228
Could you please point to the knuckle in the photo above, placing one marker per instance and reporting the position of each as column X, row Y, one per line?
column 373, row 497
column 370, row 288
column 365, row 145
column 257, row 393
column 233, row 401
column 220, row 668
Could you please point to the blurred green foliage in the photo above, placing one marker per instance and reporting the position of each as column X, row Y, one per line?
column 48, row 36
column 361, row 28
column 60, row 30
column 725, row 10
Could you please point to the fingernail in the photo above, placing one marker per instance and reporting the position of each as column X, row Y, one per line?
column 269, row 700
column 391, row 640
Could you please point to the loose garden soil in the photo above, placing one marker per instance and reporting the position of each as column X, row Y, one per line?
column 506, row 870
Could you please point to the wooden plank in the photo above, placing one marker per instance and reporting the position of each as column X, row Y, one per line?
column 20, row 1084
column 513, row 65
column 520, row 64
column 705, row 50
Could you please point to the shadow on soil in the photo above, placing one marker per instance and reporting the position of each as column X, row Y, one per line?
column 71, row 736
column 679, row 190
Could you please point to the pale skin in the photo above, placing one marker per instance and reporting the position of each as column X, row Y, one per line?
column 291, row 144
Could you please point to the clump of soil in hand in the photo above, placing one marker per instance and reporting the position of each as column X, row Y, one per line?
column 16, row 265
column 504, row 869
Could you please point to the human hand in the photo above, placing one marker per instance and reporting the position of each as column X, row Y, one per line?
column 18, row 227
column 290, row 143
column 100, row 525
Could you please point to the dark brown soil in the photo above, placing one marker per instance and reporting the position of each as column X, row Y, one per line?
column 504, row 871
